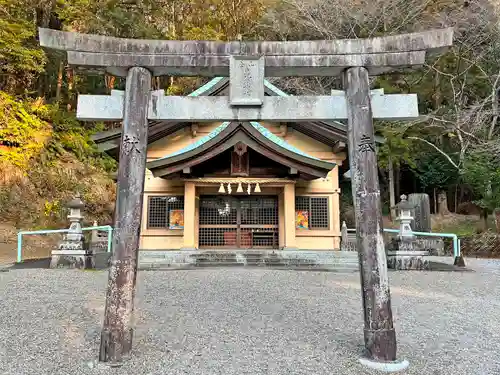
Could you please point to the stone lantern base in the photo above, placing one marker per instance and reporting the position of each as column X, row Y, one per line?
column 408, row 260
column 71, row 259
column 71, row 254
column 402, row 254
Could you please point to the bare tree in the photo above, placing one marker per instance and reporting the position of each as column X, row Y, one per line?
column 334, row 19
column 460, row 88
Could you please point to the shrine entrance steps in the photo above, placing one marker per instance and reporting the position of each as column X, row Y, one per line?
column 338, row 261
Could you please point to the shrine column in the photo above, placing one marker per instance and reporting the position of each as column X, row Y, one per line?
column 281, row 218
column 289, row 203
column 335, row 207
column 189, row 216
column 197, row 220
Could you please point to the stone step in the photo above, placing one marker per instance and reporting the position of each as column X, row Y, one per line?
column 225, row 262
column 290, row 259
column 169, row 267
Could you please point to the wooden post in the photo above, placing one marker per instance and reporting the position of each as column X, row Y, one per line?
column 281, row 218
column 289, row 199
column 189, row 216
column 379, row 333
column 117, row 332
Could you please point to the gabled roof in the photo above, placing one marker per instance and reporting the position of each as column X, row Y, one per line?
column 332, row 133
column 255, row 136
column 109, row 141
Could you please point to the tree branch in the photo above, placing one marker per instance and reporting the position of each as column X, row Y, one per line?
column 438, row 150
column 494, row 105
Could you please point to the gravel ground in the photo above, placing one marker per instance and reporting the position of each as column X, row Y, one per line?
column 249, row 321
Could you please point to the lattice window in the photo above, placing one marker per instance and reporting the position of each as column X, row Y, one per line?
column 218, row 211
column 312, row 212
column 159, row 208
column 259, row 211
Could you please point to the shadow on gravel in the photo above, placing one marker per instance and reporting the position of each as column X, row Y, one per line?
column 31, row 264
column 444, row 267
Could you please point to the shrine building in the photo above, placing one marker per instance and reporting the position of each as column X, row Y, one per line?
column 239, row 185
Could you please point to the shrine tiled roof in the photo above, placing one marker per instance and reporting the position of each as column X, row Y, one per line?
column 266, row 133
column 279, row 141
column 331, row 133
column 262, row 130
column 199, row 142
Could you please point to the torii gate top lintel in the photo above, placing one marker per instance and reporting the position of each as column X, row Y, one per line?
column 210, row 58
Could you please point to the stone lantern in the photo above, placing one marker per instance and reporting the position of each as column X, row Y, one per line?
column 75, row 218
column 70, row 252
column 405, row 256
column 404, row 212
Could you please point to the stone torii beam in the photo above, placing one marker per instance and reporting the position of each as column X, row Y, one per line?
column 219, row 108
column 206, row 58
column 249, row 62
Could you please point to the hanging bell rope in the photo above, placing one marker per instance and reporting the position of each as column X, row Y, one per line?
column 249, row 189
column 229, row 188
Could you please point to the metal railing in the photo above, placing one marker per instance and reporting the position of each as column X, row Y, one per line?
column 20, row 235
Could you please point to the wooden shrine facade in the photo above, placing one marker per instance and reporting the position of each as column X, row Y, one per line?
column 241, row 185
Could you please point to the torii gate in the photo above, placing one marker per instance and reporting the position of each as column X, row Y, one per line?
column 247, row 63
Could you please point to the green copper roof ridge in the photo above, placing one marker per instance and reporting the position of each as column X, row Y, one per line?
column 199, row 142
column 275, row 89
column 279, row 141
column 207, row 86
column 262, row 130
column 265, row 132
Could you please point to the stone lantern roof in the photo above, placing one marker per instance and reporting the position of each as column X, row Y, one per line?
column 76, row 202
column 404, row 204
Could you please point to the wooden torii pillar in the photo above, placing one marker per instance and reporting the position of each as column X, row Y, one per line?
column 247, row 63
